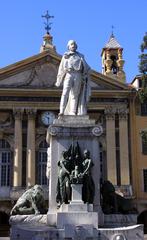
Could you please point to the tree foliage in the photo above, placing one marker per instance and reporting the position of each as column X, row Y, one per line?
column 143, row 69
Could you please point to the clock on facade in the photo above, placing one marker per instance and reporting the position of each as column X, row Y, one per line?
column 47, row 118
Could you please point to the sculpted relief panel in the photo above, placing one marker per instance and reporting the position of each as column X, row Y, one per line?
column 5, row 119
column 39, row 76
column 45, row 75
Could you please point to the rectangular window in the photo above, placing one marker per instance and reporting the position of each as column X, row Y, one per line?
column 140, row 83
column 145, row 179
column 144, row 146
column 42, row 162
column 144, row 109
column 5, row 168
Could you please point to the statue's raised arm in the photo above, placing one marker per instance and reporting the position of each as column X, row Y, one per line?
column 74, row 75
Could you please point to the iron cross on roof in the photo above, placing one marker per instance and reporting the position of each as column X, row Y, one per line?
column 47, row 23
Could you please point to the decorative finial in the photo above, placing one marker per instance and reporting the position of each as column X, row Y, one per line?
column 47, row 23
column 112, row 34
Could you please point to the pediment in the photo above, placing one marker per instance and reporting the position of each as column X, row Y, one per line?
column 39, row 76
column 98, row 85
column 101, row 82
column 41, row 71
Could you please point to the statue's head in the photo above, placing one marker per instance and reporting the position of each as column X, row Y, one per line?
column 76, row 168
column 37, row 188
column 86, row 153
column 65, row 154
column 37, row 192
column 107, row 187
column 72, row 45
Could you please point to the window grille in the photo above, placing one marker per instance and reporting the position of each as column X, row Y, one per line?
column 42, row 163
column 5, row 163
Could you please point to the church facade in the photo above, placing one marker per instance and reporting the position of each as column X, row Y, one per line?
column 29, row 102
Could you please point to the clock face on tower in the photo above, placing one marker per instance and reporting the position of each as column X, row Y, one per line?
column 47, row 118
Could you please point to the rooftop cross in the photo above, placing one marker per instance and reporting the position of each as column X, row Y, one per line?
column 47, row 23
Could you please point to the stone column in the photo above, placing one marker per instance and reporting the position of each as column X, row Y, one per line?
column 120, row 62
column 30, row 166
column 111, row 145
column 17, row 175
column 123, row 140
column 108, row 63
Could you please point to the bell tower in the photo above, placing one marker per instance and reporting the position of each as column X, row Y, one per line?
column 112, row 60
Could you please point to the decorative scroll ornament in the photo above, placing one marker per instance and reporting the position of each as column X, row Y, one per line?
column 97, row 131
column 53, row 131
column 119, row 237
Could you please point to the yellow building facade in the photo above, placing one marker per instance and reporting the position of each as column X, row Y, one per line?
column 140, row 149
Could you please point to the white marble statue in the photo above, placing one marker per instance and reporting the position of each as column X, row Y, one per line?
column 73, row 73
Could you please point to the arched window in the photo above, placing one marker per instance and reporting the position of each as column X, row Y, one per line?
column 41, row 164
column 5, row 163
column 114, row 67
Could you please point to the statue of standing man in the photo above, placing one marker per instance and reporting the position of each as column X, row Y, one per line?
column 73, row 73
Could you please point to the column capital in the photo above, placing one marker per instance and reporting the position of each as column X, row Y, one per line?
column 18, row 112
column 110, row 112
column 123, row 113
column 31, row 112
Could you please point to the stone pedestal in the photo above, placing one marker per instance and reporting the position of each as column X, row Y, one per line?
column 60, row 136
column 76, row 197
column 77, row 213
column 77, row 218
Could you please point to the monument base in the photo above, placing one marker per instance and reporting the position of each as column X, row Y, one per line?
column 29, row 227
column 77, row 218
column 75, row 213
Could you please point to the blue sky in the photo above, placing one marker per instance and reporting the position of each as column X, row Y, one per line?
column 87, row 22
